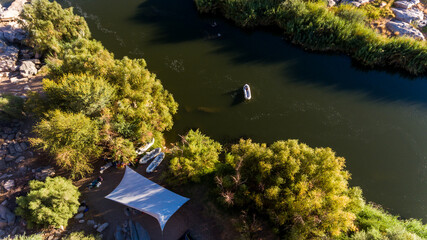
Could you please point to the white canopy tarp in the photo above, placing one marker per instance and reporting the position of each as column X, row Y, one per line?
column 138, row 192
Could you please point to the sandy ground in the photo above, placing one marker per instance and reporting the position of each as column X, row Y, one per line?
column 197, row 214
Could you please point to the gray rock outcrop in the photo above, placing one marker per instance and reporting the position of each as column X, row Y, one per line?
column 404, row 29
column 28, row 68
column 13, row 11
column 408, row 15
column 406, row 4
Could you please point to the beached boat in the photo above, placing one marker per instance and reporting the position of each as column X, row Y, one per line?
column 150, row 155
column 144, row 148
column 156, row 162
column 247, row 92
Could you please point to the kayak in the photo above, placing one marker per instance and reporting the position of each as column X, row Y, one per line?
column 150, row 155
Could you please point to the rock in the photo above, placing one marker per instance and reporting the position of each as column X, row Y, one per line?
column 79, row 216
column 20, row 159
column 9, row 184
column 81, row 221
column 405, row 29
column 43, row 173
column 102, row 227
column 408, row 15
column 6, row 217
column 11, row 149
column 23, row 146
column 11, row 137
column 27, row 88
column 81, row 209
column 4, row 203
column 421, row 23
column 2, row 164
column 406, row 4
column 17, row 147
column 13, row 11
column 2, row 233
column 28, row 68
column 90, row 222
column 331, row 3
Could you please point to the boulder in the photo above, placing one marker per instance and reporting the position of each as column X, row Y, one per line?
column 102, row 227
column 28, row 68
column 79, row 216
column 13, row 11
column 20, row 159
column 17, row 147
column 406, row 4
column 405, row 29
column 6, row 217
column 90, row 222
column 9, row 184
column 43, row 173
column 408, row 15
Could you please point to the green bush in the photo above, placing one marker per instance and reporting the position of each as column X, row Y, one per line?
column 49, row 203
column 79, row 93
column 194, row 157
column 24, row 237
column 80, row 236
column 303, row 191
column 11, row 107
column 71, row 138
column 49, row 25
column 375, row 223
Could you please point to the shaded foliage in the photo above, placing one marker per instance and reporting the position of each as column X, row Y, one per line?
column 81, row 236
column 11, row 106
column 49, row 203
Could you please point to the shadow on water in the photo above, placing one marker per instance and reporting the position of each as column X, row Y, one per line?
column 178, row 21
column 237, row 96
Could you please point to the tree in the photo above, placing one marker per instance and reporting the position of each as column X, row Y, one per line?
column 304, row 191
column 49, row 203
column 144, row 108
column 49, row 25
column 71, row 138
column 81, row 56
column 196, row 156
column 79, row 93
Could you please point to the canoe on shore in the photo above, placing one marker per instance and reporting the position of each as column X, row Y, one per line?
column 156, row 162
column 144, row 148
column 150, row 155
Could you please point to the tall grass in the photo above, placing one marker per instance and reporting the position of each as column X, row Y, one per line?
column 315, row 26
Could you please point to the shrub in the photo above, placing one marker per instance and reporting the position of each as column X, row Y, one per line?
column 196, row 156
column 49, row 25
column 24, row 237
column 80, row 236
column 303, row 191
column 11, row 106
column 49, row 203
column 79, row 93
column 71, row 138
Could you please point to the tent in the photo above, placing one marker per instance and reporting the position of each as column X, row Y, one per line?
column 138, row 192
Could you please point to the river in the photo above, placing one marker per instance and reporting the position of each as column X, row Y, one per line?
column 377, row 120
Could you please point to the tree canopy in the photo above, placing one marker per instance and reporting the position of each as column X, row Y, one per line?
column 293, row 184
column 71, row 138
column 49, row 203
column 194, row 157
column 49, row 25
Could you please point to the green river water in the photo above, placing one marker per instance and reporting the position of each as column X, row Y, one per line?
column 377, row 120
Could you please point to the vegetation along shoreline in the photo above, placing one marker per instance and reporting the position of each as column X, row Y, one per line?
column 343, row 28
column 94, row 107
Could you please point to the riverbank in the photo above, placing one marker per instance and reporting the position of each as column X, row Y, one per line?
column 316, row 27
